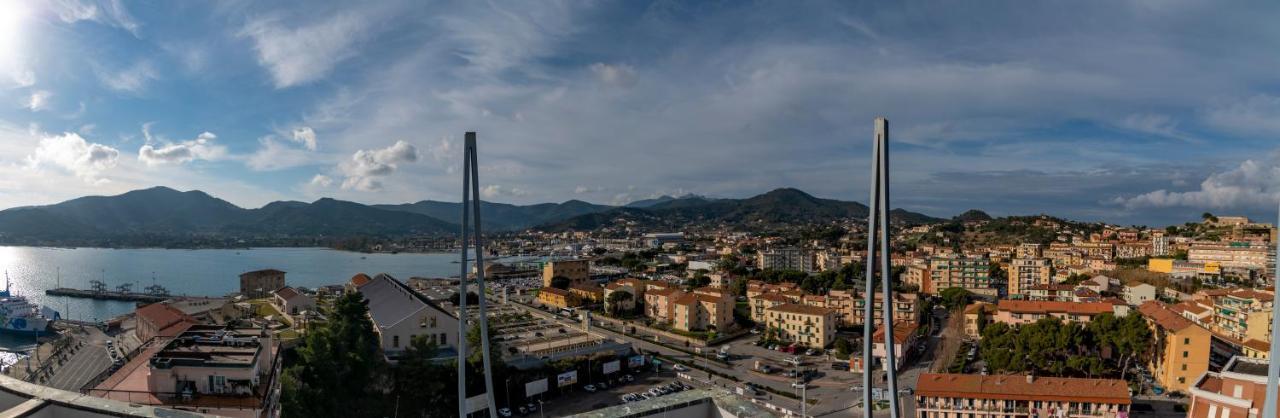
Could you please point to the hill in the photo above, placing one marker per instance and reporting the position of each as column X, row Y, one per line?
column 502, row 216
column 161, row 213
column 780, row 206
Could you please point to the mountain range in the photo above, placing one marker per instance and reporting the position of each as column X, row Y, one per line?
column 165, row 212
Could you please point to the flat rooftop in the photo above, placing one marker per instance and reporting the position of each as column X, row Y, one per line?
column 210, row 348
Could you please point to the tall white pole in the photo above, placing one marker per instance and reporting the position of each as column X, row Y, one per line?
column 868, row 317
column 484, row 313
column 1273, row 370
column 462, row 287
column 886, row 273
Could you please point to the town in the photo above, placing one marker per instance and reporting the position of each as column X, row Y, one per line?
column 1003, row 315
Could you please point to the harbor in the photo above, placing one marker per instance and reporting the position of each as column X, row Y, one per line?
column 98, row 290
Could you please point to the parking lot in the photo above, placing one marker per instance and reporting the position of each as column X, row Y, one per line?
column 582, row 400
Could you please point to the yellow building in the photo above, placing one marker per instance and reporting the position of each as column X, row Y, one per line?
column 577, row 271
column 1181, row 351
column 1027, row 272
column 811, row 326
column 761, row 303
column 559, row 298
column 704, row 309
column 976, row 317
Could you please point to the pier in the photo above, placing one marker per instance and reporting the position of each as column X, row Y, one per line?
column 106, row 295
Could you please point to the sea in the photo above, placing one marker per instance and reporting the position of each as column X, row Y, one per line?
column 201, row 272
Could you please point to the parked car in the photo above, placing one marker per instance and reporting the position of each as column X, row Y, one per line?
column 679, row 368
column 504, row 412
column 799, row 385
column 589, row 388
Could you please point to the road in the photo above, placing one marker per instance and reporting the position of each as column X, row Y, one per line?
column 84, row 364
column 831, row 393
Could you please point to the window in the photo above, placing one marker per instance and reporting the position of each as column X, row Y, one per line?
column 1186, row 341
column 1185, row 354
column 1184, row 368
column 395, row 341
column 1182, row 380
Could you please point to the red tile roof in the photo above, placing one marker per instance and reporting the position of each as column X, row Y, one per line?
column 1045, row 307
column 360, row 279
column 1166, row 318
column 902, row 332
column 1016, row 387
column 801, row 309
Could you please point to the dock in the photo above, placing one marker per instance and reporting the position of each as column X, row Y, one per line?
column 106, row 295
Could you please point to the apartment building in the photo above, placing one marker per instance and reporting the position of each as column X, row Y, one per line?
column 577, row 271
column 1182, row 348
column 704, row 309
column 970, row 273
column 811, row 326
column 1021, row 312
column 1159, row 244
column 558, row 298
column 787, row 258
column 1101, row 250
column 1138, row 293
column 659, row 303
column 1239, row 390
column 976, row 317
column 760, row 303
column 850, row 306
column 622, row 303
column 917, row 274
column 904, row 336
column 1014, row 396
column 1242, row 314
column 1030, row 250
column 1051, row 292
column 1025, row 273
column 587, row 293
column 1243, row 255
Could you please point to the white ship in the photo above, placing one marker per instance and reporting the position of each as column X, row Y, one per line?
column 17, row 314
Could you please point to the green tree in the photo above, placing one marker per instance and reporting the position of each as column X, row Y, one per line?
column 843, row 348
column 955, row 298
column 424, row 386
column 616, row 299
column 339, row 371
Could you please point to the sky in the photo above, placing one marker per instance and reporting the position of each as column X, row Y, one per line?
column 1142, row 112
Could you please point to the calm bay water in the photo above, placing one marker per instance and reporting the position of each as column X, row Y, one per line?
column 32, row 270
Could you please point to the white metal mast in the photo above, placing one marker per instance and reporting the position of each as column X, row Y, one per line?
column 471, row 205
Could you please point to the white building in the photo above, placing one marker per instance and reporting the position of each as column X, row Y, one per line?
column 399, row 314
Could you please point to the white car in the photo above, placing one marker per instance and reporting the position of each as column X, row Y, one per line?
column 679, row 368
column 590, row 388
column 799, row 385
column 504, row 412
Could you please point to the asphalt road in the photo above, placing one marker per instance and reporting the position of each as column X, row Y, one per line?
column 84, row 365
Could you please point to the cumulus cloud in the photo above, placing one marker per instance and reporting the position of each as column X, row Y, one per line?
column 164, row 152
column 1251, row 184
column 497, row 190
column 71, row 152
column 39, row 100
column 366, row 168
column 306, row 136
column 297, row 54
column 616, row 74
column 321, row 180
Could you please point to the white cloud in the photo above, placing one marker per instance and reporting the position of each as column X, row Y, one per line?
column 498, row 190
column 1257, row 115
column 366, row 168
column 1251, row 184
column 107, row 12
column 306, row 136
column 274, row 155
column 1155, row 124
column 70, row 151
column 304, row 53
column 164, row 152
column 39, row 100
column 616, row 74
column 132, row 80
column 587, row 189
column 321, row 180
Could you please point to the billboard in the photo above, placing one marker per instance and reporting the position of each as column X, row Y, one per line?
column 612, row 366
column 567, row 378
column 535, row 387
column 635, row 361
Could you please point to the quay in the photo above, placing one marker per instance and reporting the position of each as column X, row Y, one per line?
column 106, row 295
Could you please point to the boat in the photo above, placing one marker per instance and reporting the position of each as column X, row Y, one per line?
column 19, row 315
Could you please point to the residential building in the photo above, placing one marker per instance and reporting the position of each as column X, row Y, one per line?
column 904, row 336
column 558, row 298
column 291, row 302
column 626, row 304
column 969, row 273
column 1182, row 348
column 577, row 271
column 1239, row 390
column 976, row 317
column 1159, row 244
column 917, row 274
column 1102, row 250
column 260, row 283
column 1138, row 293
column 587, row 293
column 1030, row 250
column 1027, row 272
column 1015, row 396
column 1244, row 255
column 850, row 306
column 811, row 326
column 704, row 309
column 788, row 258
column 1051, row 292
column 213, row 362
column 160, row 320
column 761, row 302
column 1021, row 312
column 658, row 303
column 1242, row 314
column 399, row 314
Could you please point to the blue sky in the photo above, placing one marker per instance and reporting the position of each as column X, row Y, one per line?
column 1146, row 112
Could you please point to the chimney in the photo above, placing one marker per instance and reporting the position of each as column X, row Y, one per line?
column 1031, row 378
